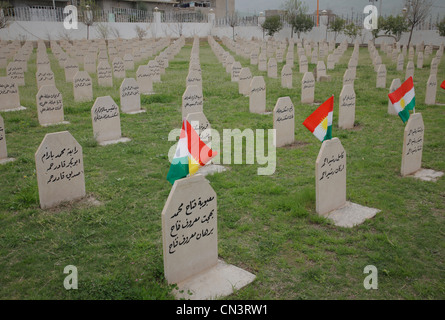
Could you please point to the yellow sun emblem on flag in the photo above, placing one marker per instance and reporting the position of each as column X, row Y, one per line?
column 402, row 103
column 324, row 123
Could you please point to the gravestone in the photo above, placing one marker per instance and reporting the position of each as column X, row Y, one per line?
column 192, row 100
column 144, row 80
column 106, row 121
column 262, row 62
column 201, row 125
column 303, row 64
column 321, row 70
column 229, row 62
column 89, row 63
column 434, row 66
column 412, row 145
column 190, row 243
column 308, row 88
column 245, row 77
column 346, row 115
column 400, row 62
column 71, row 68
column 257, row 96
column 272, row 71
column 118, row 68
column 130, row 96
column 409, row 70
column 420, row 60
column 381, row 77
column 9, row 95
column 3, row 150
column 128, row 62
column 49, row 106
column 348, row 77
column 284, row 122
column 59, row 169
column 44, row 76
column 330, row 174
column 82, row 87
column 236, row 69
column 15, row 71
column 104, row 74
column 155, row 72
column 290, row 59
column 254, row 57
column 395, row 84
column 331, row 62
column 431, row 90
column 286, row 76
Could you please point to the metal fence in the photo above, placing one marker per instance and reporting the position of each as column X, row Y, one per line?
column 44, row 13
column 56, row 14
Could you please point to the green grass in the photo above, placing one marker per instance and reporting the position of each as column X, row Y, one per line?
column 266, row 224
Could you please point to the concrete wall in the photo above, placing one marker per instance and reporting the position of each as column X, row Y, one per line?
column 33, row 30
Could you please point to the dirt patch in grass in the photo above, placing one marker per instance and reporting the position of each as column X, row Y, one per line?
column 86, row 202
column 296, row 145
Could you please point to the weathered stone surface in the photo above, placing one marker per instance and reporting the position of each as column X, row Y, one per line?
column 59, row 169
column 330, row 175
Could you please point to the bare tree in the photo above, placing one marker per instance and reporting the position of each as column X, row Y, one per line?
column 103, row 30
column 233, row 21
column 4, row 17
column 140, row 32
column 416, row 11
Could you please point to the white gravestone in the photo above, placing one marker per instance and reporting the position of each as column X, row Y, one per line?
column 9, row 95
column 71, row 68
column 431, row 90
column 284, row 122
column 413, row 145
column 130, row 96
column 381, row 77
column 106, row 121
column 286, row 76
column 82, row 87
column 257, row 96
column 44, row 76
column 59, row 169
column 245, row 77
column 3, row 150
column 192, row 100
column 190, row 243
column 49, row 106
column 272, row 71
column 346, row 115
column 118, row 68
column 330, row 174
column 144, row 79
column 104, row 74
column 307, row 88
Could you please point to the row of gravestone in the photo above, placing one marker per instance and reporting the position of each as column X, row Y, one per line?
column 105, row 113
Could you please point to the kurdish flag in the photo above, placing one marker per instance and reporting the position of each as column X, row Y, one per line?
column 320, row 121
column 191, row 154
column 403, row 99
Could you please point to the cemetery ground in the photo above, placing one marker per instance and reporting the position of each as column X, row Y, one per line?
column 267, row 225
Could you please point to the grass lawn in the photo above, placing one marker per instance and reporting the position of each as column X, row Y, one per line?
column 266, row 224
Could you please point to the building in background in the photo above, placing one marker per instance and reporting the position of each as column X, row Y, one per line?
column 221, row 8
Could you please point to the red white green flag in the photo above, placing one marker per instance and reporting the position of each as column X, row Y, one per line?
column 191, row 154
column 320, row 121
column 403, row 99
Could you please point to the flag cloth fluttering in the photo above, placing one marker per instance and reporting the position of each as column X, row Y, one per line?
column 320, row 121
column 443, row 85
column 191, row 154
column 403, row 99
